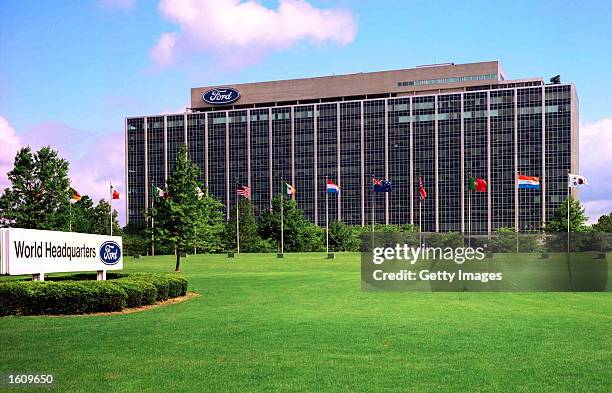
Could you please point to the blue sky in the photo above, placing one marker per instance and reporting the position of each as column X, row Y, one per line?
column 82, row 66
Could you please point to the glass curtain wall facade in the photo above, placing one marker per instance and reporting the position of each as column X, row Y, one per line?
column 442, row 138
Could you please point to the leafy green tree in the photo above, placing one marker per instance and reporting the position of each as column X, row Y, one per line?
column 300, row 234
column 341, row 237
column 82, row 215
column 577, row 218
column 40, row 191
column 604, row 224
column 250, row 240
column 185, row 218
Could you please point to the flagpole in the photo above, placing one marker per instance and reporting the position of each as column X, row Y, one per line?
column 470, row 210
column 282, row 218
column 70, row 214
column 326, row 218
column 237, row 221
column 372, row 201
column 110, row 213
column 517, row 213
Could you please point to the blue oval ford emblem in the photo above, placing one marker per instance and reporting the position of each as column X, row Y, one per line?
column 110, row 253
column 221, row 96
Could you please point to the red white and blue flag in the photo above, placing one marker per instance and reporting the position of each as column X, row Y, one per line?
column 379, row 185
column 422, row 192
column 331, row 187
column 528, row 181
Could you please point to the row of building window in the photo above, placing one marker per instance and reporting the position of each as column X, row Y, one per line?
column 456, row 79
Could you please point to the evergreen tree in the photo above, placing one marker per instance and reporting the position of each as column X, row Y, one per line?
column 185, row 218
column 577, row 218
column 250, row 241
column 101, row 224
column 299, row 233
column 342, row 238
column 39, row 195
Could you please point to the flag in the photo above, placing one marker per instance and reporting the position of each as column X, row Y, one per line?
column 379, row 185
column 199, row 192
column 576, row 180
column 288, row 189
column 478, row 184
column 422, row 192
column 244, row 191
column 156, row 190
column 115, row 193
column 528, row 181
column 331, row 187
column 75, row 196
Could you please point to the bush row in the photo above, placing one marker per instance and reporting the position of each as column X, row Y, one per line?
column 80, row 297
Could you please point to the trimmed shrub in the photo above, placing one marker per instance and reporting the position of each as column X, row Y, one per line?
column 62, row 296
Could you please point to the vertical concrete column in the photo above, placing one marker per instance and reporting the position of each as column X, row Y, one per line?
column 489, row 185
column 227, row 167
column 316, row 161
column 386, row 158
column 437, row 165
column 412, row 180
column 248, row 135
column 146, row 164
column 362, row 155
column 127, row 194
column 206, row 149
column 270, row 155
column 516, row 163
column 339, row 178
column 544, row 176
column 462, row 165
column 165, row 148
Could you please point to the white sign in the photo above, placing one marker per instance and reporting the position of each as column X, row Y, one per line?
column 31, row 251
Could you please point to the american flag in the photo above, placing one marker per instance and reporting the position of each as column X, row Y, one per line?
column 244, row 191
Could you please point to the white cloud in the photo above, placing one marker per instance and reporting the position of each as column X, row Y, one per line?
column 596, row 164
column 238, row 33
column 162, row 53
column 117, row 4
column 8, row 147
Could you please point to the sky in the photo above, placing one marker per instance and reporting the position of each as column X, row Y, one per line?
column 71, row 71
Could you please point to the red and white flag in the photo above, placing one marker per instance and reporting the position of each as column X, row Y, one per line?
column 422, row 192
column 244, row 191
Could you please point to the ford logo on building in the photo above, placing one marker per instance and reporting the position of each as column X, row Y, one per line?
column 110, row 253
column 221, row 96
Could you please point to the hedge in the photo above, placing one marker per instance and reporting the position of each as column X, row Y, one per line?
column 61, row 295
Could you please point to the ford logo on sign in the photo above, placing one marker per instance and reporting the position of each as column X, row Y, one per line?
column 221, row 96
column 110, row 253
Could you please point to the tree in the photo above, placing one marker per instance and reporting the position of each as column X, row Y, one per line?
column 341, row 237
column 604, row 224
column 101, row 223
column 39, row 195
column 82, row 215
column 186, row 218
column 250, row 240
column 577, row 218
column 299, row 233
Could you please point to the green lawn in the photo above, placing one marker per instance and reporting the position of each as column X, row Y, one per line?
column 303, row 324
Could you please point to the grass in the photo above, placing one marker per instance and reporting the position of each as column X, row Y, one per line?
column 303, row 324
